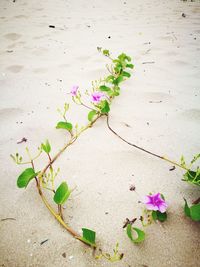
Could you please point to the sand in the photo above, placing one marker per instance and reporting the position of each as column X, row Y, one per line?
column 158, row 109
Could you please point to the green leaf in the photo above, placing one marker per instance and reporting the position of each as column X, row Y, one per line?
column 192, row 177
column 161, row 216
column 195, row 212
column 140, row 234
column 186, row 208
column 91, row 115
column 64, row 125
column 106, row 52
column 46, row 147
column 126, row 74
column 110, row 79
column 115, row 93
column 89, row 236
column 128, row 58
column 124, row 57
column 104, row 88
column 25, row 177
column 118, row 80
column 105, row 107
column 62, row 193
column 130, row 66
column 118, row 67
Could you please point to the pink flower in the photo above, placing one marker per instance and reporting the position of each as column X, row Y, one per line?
column 97, row 97
column 74, row 90
column 155, row 202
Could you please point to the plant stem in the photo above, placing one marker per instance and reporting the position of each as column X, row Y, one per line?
column 175, row 163
column 60, row 211
column 71, row 141
column 86, row 106
column 142, row 149
column 59, row 217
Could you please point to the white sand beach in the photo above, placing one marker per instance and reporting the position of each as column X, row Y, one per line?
column 158, row 109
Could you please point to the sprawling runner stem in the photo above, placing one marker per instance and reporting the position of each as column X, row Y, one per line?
column 50, row 163
column 142, row 149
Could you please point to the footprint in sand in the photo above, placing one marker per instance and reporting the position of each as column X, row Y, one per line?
column 191, row 114
column 167, row 38
column 21, row 17
column 63, row 66
column 95, row 72
column 39, row 9
column 157, row 97
column 40, row 51
column 40, row 70
column 15, row 68
column 181, row 62
column 7, row 113
column 40, row 36
column 12, row 36
column 83, row 58
column 171, row 53
column 15, row 44
column 196, row 10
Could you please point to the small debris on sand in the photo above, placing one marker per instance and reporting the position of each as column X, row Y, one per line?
column 132, row 188
column 127, row 221
column 172, row 168
column 22, row 140
column 41, row 243
column 64, row 255
column 127, row 125
column 148, row 62
column 7, row 219
column 160, row 101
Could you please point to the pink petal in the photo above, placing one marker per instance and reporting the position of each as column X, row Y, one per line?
column 156, row 196
column 151, row 207
column 146, row 200
column 162, row 208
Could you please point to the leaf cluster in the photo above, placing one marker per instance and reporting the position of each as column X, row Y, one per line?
column 111, row 84
column 193, row 211
column 191, row 176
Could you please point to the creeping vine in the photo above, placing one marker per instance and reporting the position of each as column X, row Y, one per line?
column 100, row 98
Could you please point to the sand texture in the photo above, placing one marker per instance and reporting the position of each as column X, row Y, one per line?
column 159, row 109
